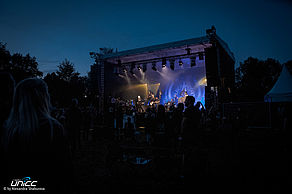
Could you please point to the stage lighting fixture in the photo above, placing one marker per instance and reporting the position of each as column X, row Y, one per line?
column 154, row 66
column 180, row 62
column 188, row 51
column 201, row 56
column 171, row 64
column 163, row 62
column 193, row 61
column 144, row 67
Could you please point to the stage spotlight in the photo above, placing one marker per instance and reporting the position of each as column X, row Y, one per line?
column 171, row 64
column 180, row 62
column 188, row 51
column 154, row 66
column 163, row 62
column 201, row 56
column 193, row 61
column 144, row 67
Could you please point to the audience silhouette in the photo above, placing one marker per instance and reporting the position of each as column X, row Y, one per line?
column 190, row 122
column 73, row 124
column 34, row 142
column 7, row 85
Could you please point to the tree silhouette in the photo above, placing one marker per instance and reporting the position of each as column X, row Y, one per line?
column 66, row 84
column 19, row 66
column 5, row 57
column 254, row 78
column 67, row 71
column 102, row 51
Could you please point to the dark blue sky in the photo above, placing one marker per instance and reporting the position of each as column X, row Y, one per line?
column 54, row 30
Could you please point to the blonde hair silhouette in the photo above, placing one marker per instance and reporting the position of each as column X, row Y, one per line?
column 31, row 102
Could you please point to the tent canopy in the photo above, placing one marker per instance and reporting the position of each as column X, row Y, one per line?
column 282, row 90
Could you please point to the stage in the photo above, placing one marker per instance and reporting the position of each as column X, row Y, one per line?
column 165, row 74
column 164, row 85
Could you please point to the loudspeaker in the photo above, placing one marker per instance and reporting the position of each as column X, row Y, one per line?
column 211, row 66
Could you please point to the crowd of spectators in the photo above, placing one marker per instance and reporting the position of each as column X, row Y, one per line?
column 34, row 132
column 177, row 121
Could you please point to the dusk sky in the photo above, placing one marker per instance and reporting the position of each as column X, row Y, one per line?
column 54, row 30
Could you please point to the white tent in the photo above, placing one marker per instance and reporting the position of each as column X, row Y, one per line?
column 282, row 90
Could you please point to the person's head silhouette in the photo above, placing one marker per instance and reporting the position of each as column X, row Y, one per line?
column 190, row 100
column 31, row 103
column 74, row 102
column 180, row 107
column 161, row 108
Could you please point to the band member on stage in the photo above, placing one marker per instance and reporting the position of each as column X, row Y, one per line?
column 139, row 105
column 151, row 98
column 175, row 99
column 184, row 94
column 156, row 101
column 172, row 102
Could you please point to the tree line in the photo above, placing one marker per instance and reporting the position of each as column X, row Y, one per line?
column 63, row 84
column 255, row 77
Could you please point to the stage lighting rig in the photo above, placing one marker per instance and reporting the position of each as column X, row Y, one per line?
column 188, row 51
column 154, row 66
column 163, row 62
column 171, row 61
column 201, row 56
column 193, row 61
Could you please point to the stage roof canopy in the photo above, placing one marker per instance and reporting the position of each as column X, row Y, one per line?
column 196, row 45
